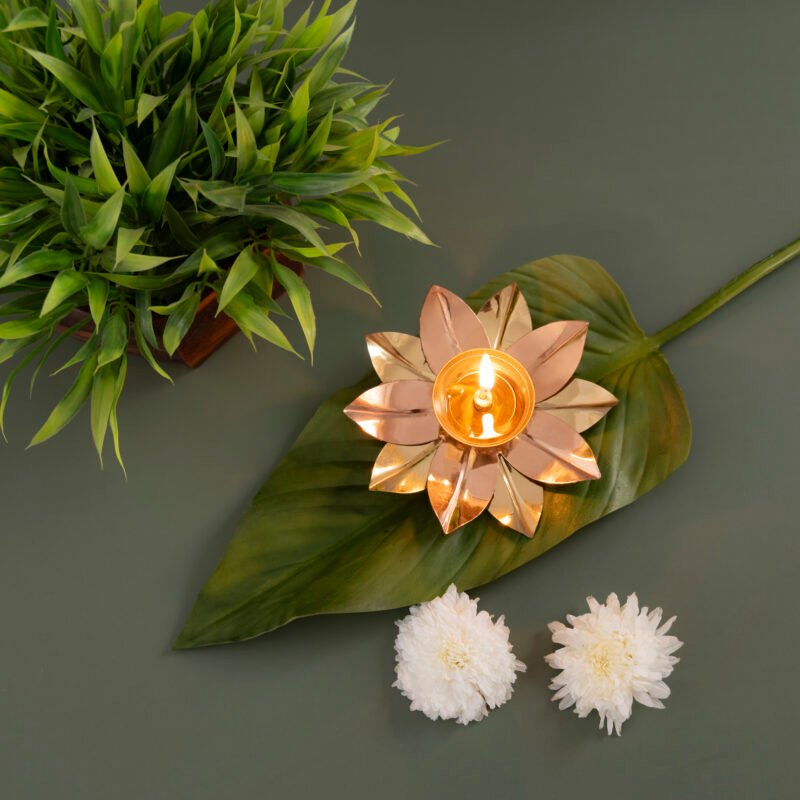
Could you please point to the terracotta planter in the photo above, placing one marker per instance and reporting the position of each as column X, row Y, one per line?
column 206, row 335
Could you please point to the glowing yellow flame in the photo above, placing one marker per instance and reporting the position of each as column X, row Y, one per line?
column 487, row 420
column 486, row 374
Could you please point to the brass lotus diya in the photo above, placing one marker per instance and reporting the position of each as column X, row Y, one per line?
column 480, row 409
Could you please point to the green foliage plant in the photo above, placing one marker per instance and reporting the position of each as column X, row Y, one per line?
column 148, row 159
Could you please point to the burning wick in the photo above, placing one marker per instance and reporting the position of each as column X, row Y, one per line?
column 483, row 397
column 487, row 420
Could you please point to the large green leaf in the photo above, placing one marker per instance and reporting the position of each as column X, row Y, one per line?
column 316, row 541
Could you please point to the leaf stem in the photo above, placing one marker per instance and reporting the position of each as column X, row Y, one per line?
column 730, row 290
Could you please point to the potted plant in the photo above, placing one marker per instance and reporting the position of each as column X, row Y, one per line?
column 163, row 176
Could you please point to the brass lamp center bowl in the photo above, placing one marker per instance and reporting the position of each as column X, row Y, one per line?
column 475, row 415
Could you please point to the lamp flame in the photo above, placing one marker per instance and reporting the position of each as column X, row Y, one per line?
column 486, row 373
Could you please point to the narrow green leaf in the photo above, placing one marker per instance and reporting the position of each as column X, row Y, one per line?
column 69, row 406
column 127, row 239
column 97, row 290
column 240, row 274
column 91, row 23
column 246, row 152
column 180, row 320
column 300, row 298
column 26, row 19
column 147, row 104
column 220, row 193
column 64, row 285
column 171, row 139
column 310, row 152
column 113, row 423
column 104, row 384
column 11, row 220
column 252, row 319
column 100, row 230
column 53, row 43
column 111, row 62
column 72, row 79
column 207, row 265
column 329, row 61
column 144, row 318
column 224, row 100
column 87, row 349
column 183, row 235
column 341, row 270
column 298, row 117
column 113, row 338
column 258, row 111
column 147, row 353
column 138, row 179
column 215, row 150
column 13, row 108
column 315, row 184
column 137, row 262
column 36, row 264
column 72, row 214
column 364, row 207
column 10, row 347
column 107, row 181
column 155, row 197
column 294, row 219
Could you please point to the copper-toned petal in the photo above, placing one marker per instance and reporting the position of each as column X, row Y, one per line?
column 399, row 412
column 551, row 452
column 398, row 357
column 551, row 354
column 580, row 404
column 461, row 483
column 402, row 468
column 517, row 501
column 448, row 326
column 505, row 317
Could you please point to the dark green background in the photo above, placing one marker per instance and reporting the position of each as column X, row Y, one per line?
column 662, row 139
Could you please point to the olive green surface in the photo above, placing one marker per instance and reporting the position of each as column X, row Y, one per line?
column 663, row 140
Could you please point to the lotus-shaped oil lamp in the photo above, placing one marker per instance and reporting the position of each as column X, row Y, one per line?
column 480, row 409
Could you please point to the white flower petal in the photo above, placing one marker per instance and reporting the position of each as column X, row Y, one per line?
column 453, row 661
column 611, row 657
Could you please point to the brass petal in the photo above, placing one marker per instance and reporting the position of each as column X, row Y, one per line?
column 505, row 317
column 551, row 354
column 580, row 404
column 399, row 412
column 448, row 326
column 398, row 357
column 402, row 468
column 551, row 452
column 461, row 483
column 517, row 502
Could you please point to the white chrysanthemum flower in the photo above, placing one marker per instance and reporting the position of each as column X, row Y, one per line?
column 453, row 661
column 610, row 657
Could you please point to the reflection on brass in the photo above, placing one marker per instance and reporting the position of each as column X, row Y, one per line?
column 402, row 468
column 580, row 404
column 480, row 407
column 551, row 452
column 461, row 483
column 551, row 354
column 447, row 326
column 505, row 317
column 517, row 502
column 398, row 357
column 400, row 412
column 457, row 390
